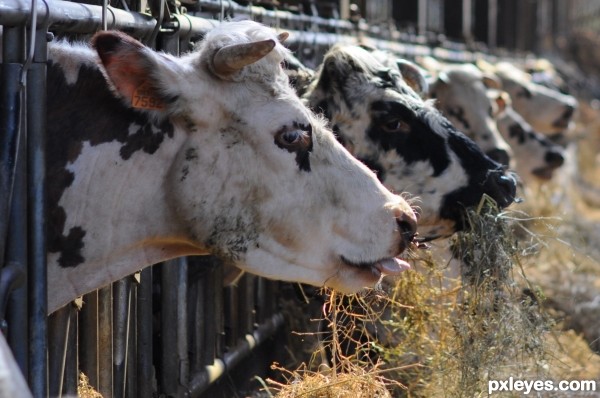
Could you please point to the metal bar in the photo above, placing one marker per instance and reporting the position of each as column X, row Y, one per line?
column 144, row 335
column 88, row 338
column 58, row 333
column 36, row 180
column 16, row 252
column 200, row 382
column 105, row 349
column 10, row 117
column 131, row 382
column 71, row 374
column 271, row 16
column 173, row 327
column 121, row 318
column 75, row 17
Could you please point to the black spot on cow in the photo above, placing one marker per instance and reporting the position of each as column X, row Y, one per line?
column 459, row 114
column 420, row 144
column 517, row 131
column 72, row 110
column 191, row 154
column 524, row 93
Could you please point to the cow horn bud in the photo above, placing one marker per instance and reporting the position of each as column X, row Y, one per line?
column 232, row 58
column 283, row 36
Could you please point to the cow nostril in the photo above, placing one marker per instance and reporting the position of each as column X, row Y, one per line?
column 408, row 228
column 500, row 156
column 569, row 109
column 554, row 159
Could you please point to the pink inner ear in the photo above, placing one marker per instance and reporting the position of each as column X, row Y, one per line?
column 128, row 67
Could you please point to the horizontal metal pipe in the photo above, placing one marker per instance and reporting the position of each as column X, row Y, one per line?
column 75, row 17
column 261, row 13
column 201, row 381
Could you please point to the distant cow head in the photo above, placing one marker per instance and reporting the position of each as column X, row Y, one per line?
column 461, row 94
column 536, row 156
column 411, row 146
column 212, row 152
column 547, row 110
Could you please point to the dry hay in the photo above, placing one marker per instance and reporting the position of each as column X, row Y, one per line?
column 84, row 389
column 353, row 381
column 431, row 334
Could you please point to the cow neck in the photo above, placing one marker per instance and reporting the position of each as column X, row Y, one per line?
column 107, row 167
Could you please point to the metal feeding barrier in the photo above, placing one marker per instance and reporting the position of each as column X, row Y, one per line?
column 171, row 329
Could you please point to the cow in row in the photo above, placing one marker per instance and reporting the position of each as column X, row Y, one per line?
column 378, row 116
column 473, row 100
column 537, row 157
column 548, row 111
column 146, row 163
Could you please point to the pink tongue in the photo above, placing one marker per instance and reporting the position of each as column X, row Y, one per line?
column 392, row 266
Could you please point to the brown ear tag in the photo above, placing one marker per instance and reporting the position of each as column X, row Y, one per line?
column 144, row 97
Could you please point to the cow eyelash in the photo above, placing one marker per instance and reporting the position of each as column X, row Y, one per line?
column 293, row 139
column 396, row 125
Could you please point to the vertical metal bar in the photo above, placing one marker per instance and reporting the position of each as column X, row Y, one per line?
column 232, row 312
column 58, row 332
column 36, row 130
column 121, row 311
column 467, row 20
column 88, row 339
column 10, row 117
column 132, row 363
column 144, row 335
column 218, row 328
column 105, row 375
column 16, row 252
column 422, row 17
column 492, row 23
column 71, row 374
column 174, row 339
column 209, row 322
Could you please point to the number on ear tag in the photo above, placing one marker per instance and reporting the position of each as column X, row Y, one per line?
column 144, row 97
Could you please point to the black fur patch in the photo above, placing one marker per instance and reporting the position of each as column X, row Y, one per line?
column 517, row 131
column 420, row 144
column 485, row 177
column 86, row 111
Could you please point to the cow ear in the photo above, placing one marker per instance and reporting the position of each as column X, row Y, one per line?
column 491, row 81
column 413, row 76
column 132, row 69
column 502, row 101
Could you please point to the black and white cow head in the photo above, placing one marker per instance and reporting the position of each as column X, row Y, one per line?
column 411, row 146
column 461, row 94
column 547, row 110
column 212, row 152
column 536, row 156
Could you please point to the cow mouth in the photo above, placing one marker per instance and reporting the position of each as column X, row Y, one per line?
column 543, row 173
column 381, row 267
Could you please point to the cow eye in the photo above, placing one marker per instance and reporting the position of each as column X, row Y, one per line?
column 293, row 139
column 396, row 125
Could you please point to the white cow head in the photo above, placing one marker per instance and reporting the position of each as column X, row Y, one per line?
column 461, row 94
column 547, row 110
column 212, row 152
column 536, row 156
column 411, row 146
